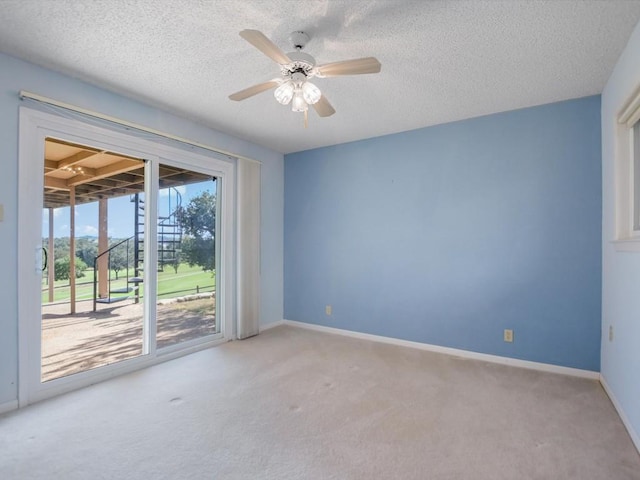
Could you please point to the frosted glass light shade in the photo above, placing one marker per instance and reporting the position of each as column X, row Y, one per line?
column 284, row 93
column 311, row 93
column 298, row 104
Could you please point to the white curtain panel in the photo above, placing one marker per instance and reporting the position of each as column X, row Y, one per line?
column 248, row 243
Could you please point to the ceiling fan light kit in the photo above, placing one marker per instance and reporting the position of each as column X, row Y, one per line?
column 298, row 104
column 284, row 93
column 296, row 68
column 311, row 93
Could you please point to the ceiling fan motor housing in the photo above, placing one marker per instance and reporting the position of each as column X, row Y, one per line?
column 300, row 63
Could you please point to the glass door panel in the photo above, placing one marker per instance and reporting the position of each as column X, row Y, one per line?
column 186, row 248
column 91, row 306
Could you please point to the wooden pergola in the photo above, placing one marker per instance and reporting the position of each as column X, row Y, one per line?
column 76, row 174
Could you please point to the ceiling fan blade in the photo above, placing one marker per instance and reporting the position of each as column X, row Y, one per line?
column 251, row 91
column 266, row 46
column 356, row 66
column 323, row 107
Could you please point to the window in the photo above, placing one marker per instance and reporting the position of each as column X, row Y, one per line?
column 627, row 235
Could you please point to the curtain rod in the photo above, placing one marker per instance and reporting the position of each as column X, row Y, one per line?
column 39, row 98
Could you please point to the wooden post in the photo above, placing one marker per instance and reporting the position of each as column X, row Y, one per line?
column 51, row 261
column 103, row 245
column 72, row 248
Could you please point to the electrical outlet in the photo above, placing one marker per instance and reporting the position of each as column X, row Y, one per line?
column 328, row 310
column 508, row 335
column 611, row 333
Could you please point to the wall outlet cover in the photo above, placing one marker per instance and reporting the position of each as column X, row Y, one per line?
column 508, row 335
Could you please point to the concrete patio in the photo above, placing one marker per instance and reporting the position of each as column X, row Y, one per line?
column 88, row 339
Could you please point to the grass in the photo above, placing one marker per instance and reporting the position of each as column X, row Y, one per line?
column 200, row 308
column 170, row 284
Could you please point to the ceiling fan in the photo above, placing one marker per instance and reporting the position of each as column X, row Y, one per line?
column 296, row 69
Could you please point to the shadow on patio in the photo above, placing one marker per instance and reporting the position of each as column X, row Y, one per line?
column 87, row 339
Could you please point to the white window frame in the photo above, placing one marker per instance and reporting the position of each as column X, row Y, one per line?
column 35, row 127
column 627, row 234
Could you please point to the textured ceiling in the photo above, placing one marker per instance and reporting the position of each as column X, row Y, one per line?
column 441, row 60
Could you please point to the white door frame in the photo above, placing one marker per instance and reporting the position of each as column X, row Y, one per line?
column 35, row 126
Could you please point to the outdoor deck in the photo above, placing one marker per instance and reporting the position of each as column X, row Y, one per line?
column 88, row 339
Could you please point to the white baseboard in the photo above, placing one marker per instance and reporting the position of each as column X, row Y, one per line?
column 8, row 406
column 514, row 362
column 623, row 416
column 271, row 325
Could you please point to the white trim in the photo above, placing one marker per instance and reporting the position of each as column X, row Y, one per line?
column 626, row 239
column 8, row 406
column 631, row 112
column 150, row 256
column 29, row 183
column 67, row 106
column 269, row 326
column 635, row 438
column 101, row 374
column 626, row 244
column 513, row 362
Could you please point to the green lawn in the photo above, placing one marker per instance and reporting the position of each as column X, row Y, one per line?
column 170, row 284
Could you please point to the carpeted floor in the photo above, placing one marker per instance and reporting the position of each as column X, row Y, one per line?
column 297, row 404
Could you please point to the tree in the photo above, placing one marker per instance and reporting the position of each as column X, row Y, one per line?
column 199, row 251
column 61, row 247
column 198, row 222
column 63, row 266
column 118, row 258
column 87, row 249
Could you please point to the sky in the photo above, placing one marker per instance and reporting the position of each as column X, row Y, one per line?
column 120, row 213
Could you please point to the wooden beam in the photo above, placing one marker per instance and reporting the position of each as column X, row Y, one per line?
column 118, row 167
column 103, row 246
column 50, row 164
column 113, row 192
column 85, row 147
column 56, row 183
column 90, row 175
column 87, row 175
column 69, row 144
column 129, row 178
column 75, row 158
column 107, row 183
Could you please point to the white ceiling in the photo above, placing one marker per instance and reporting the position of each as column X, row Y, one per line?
column 441, row 60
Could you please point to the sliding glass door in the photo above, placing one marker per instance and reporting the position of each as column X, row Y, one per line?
column 131, row 243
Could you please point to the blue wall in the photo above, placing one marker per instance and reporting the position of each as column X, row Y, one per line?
column 449, row 234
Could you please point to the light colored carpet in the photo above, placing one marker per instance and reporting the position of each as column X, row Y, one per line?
column 296, row 404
